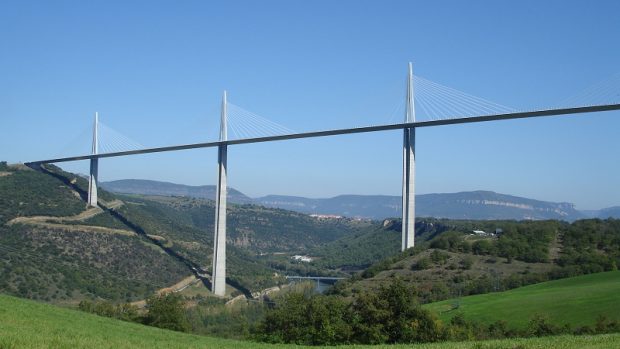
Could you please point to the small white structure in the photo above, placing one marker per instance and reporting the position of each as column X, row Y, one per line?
column 300, row 258
column 482, row 233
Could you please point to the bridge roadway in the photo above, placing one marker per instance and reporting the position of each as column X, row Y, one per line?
column 327, row 278
column 494, row 117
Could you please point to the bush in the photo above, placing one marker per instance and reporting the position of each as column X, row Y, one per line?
column 421, row 264
column 439, row 257
column 393, row 315
column 605, row 325
column 125, row 311
column 390, row 315
column 467, row 262
column 539, row 326
column 313, row 320
column 166, row 311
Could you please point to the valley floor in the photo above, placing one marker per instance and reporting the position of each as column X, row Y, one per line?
column 28, row 324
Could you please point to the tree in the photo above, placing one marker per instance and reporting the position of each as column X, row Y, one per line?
column 166, row 311
column 422, row 264
column 467, row 262
column 540, row 326
column 370, row 314
column 483, row 247
column 313, row 320
column 394, row 315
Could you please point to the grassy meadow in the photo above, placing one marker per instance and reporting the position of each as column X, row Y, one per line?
column 29, row 324
column 576, row 301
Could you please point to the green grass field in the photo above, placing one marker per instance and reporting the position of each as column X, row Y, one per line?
column 575, row 301
column 28, row 324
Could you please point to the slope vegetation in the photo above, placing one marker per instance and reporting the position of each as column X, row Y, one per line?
column 364, row 247
column 53, row 248
column 502, row 255
column 65, row 263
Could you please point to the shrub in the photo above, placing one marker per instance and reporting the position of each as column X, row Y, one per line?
column 421, row 264
column 467, row 262
column 540, row 326
column 166, row 311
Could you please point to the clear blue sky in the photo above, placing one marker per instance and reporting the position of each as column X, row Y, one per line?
column 156, row 71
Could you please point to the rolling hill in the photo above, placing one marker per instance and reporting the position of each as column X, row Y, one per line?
column 28, row 324
column 65, row 263
column 452, row 260
column 577, row 301
column 52, row 248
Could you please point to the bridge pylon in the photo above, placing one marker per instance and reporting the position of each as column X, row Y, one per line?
column 219, row 247
column 94, row 165
column 408, row 220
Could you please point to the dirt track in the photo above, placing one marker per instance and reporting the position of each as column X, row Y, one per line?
column 58, row 222
column 179, row 286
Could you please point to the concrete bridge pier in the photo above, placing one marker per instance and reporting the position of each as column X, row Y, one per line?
column 408, row 224
column 219, row 248
column 94, row 166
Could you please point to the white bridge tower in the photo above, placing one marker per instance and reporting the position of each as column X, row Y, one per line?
column 94, row 166
column 219, row 247
column 408, row 224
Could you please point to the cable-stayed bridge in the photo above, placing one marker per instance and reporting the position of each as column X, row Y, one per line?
column 439, row 105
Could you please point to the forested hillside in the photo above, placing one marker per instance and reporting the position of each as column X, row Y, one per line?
column 56, row 249
column 59, row 264
column 501, row 256
column 359, row 250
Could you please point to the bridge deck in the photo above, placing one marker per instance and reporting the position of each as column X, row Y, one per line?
column 496, row 117
column 327, row 278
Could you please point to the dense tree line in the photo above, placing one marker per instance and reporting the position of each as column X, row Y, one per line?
column 590, row 246
column 392, row 314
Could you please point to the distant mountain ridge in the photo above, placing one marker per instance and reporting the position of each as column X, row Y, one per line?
column 463, row 205
column 613, row 212
column 363, row 206
column 609, row 212
column 148, row 187
column 491, row 205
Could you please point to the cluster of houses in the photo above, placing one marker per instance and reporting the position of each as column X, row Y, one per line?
column 325, row 216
